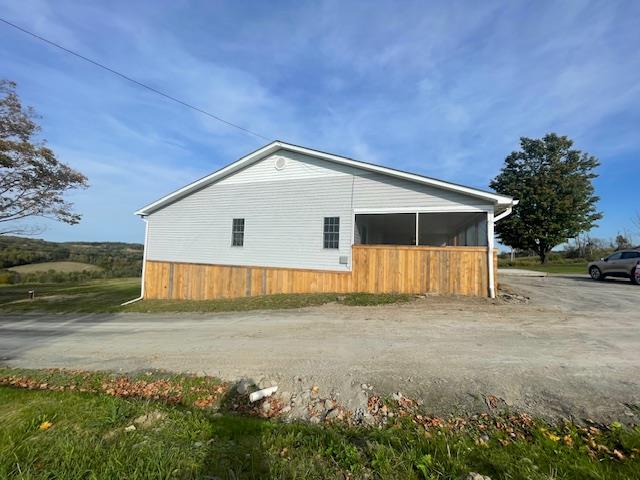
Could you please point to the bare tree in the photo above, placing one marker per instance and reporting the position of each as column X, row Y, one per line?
column 32, row 180
column 622, row 241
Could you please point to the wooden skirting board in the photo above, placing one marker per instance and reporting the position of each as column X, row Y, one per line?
column 375, row 269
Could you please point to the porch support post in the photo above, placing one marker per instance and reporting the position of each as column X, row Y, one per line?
column 490, row 246
column 417, row 230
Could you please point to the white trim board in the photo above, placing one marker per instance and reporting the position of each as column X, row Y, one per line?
column 452, row 209
column 494, row 199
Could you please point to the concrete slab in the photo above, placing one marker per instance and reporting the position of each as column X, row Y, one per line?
column 520, row 272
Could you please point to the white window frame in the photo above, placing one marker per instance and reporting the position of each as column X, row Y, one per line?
column 235, row 232
column 324, row 233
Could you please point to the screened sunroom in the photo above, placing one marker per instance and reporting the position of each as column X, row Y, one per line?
column 437, row 229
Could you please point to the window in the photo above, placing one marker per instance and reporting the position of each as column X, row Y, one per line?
column 615, row 256
column 628, row 255
column 237, row 232
column 331, row 232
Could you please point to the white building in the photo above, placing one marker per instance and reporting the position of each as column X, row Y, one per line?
column 289, row 207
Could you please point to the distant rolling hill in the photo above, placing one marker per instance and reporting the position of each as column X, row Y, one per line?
column 64, row 267
column 30, row 255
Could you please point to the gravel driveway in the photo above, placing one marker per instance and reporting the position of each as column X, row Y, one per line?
column 572, row 351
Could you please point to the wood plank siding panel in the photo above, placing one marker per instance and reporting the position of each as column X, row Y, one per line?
column 376, row 269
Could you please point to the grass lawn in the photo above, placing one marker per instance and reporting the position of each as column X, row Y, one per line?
column 55, row 430
column 106, row 295
column 65, row 267
column 555, row 264
column 102, row 295
column 554, row 268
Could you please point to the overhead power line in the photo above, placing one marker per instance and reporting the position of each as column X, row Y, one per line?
column 132, row 80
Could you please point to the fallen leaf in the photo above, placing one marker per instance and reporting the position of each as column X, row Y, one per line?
column 46, row 425
column 553, row 437
column 618, row 454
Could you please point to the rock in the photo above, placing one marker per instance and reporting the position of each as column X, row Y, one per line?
column 329, row 404
column 197, row 444
column 130, row 428
column 397, row 396
column 368, row 419
column 476, row 476
column 266, row 406
column 149, row 419
column 300, row 412
column 511, row 297
column 266, row 383
column 361, row 400
column 244, row 386
column 285, row 409
column 332, row 414
column 314, row 419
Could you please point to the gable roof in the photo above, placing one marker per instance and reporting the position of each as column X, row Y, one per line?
column 492, row 198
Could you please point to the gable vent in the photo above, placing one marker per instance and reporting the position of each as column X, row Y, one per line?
column 280, row 163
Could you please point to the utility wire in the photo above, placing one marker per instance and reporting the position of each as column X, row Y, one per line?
column 132, row 80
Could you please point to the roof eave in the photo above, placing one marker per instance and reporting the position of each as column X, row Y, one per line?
column 204, row 181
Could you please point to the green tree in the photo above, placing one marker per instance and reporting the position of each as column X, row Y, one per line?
column 32, row 180
column 554, row 185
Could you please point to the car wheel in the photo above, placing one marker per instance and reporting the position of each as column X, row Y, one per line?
column 595, row 273
column 634, row 276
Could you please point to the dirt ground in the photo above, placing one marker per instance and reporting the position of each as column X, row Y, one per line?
column 570, row 352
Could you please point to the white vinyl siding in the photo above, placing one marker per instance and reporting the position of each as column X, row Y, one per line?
column 283, row 224
column 297, row 167
column 373, row 190
column 284, row 213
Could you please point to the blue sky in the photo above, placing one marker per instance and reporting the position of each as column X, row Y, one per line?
column 440, row 88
